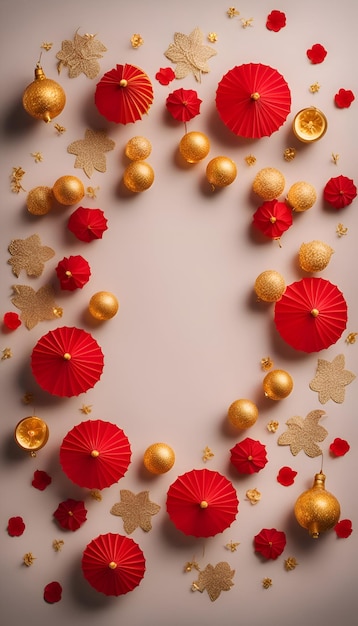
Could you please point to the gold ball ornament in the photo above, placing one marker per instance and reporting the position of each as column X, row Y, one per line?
column 31, row 434
column 103, row 305
column 68, row 190
column 221, row 172
column 301, row 196
column 242, row 413
column 159, row 458
column 138, row 176
column 43, row 99
column 314, row 256
column 277, row 384
column 39, row 200
column 269, row 183
column 138, row 148
column 269, row 286
column 316, row 509
column 194, row 147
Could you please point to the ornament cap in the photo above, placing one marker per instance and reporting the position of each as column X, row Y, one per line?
column 39, row 73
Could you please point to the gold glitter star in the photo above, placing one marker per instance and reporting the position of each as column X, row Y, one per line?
column 267, row 583
column 290, row 563
column 136, row 509
column 37, row 157
column 90, row 151
column 253, row 495
column 136, row 40
column 289, row 154
column 29, row 255
column 351, row 338
column 250, row 159
column 60, row 129
column 232, row 546
column 331, row 380
column 232, row 12
column 57, row 544
column 302, row 434
column 207, row 454
column 86, row 409
column 29, row 559
column 335, row 158
column 80, row 55
column 266, row 363
column 35, row 306
column 315, row 87
column 212, row 37
column 15, row 178
column 246, row 23
column 272, row 426
column 190, row 54
column 341, row 230
column 46, row 45
column 214, row 579
column 6, row 354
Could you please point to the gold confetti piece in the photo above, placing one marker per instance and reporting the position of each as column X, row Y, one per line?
column 335, row 158
column 232, row 12
column 250, row 159
column 136, row 40
column 29, row 255
column 92, row 192
column 212, row 37
column 290, row 563
column 191, row 565
column 331, row 379
column 29, row 559
column 289, row 154
column 136, row 510
column 272, row 426
column 246, row 23
column 35, row 306
column 214, row 579
column 96, row 495
column 267, row 583
column 207, row 454
column 6, row 354
column 37, row 157
column 28, row 398
column 16, row 178
column 46, row 45
column 90, row 151
column 253, row 495
column 351, row 338
column 315, row 87
column 189, row 54
column 80, row 55
column 266, row 363
column 302, row 434
column 232, row 546
column 86, row 409
column 341, row 230
column 60, row 129
column 57, row 544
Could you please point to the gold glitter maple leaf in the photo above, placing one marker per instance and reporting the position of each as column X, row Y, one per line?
column 80, row 55
column 136, row 510
column 303, row 433
column 331, row 379
column 29, row 255
column 35, row 306
column 189, row 54
column 90, row 151
column 214, row 579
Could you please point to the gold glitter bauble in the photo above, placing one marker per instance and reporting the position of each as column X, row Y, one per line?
column 138, row 176
column 221, row 171
column 103, row 305
column 194, row 147
column 31, row 434
column 277, row 384
column 39, row 200
column 68, row 190
column 138, row 148
column 316, row 509
column 269, row 183
column 269, row 286
column 301, row 196
column 43, row 99
column 159, row 458
column 242, row 413
column 314, row 256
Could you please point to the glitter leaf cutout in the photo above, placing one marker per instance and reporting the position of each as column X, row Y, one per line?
column 29, row 255
column 35, row 306
column 214, row 579
column 303, row 433
column 90, row 151
column 136, row 510
column 80, row 55
column 189, row 54
column 331, row 379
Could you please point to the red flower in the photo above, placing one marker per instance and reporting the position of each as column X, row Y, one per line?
column 71, row 514
column 12, row 320
column 165, row 75
column 339, row 447
column 344, row 98
column 15, row 526
column 41, row 480
column 270, row 543
column 286, row 476
column 343, row 528
column 52, row 592
column 275, row 21
column 317, row 53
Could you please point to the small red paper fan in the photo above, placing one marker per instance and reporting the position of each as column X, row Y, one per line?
column 340, row 191
column 270, row 543
column 249, row 456
column 71, row 514
column 87, row 224
column 183, row 104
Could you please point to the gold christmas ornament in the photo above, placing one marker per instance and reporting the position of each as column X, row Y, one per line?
column 309, row 125
column 138, row 148
column 138, row 176
column 159, row 458
column 314, row 256
column 316, row 509
column 277, row 384
column 301, row 196
column 269, row 183
column 103, row 305
column 194, row 147
column 221, row 171
column 39, row 200
column 242, row 413
column 43, row 99
column 269, row 286
column 68, row 190
column 31, row 434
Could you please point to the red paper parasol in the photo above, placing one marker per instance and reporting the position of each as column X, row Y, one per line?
column 87, row 224
column 67, row 361
column 95, row 454
column 202, row 503
column 183, row 104
column 248, row 456
column 273, row 218
column 311, row 315
column 113, row 564
column 270, row 542
column 124, row 94
column 253, row 100
column 71, row 514
column 340, row 191
column 73, row 272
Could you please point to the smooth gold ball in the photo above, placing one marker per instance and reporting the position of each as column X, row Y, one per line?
column 138, row 148
column 39, row 200
column 221, row 171
column 43, row 99
column 301, row 196
column 314, row 256
column 269, row 286
column 103, row 305
column 316, row 509
column 68, row 190
column 194, row 147
column 159, row 458
column 269, row 183
column 242, row 413
column 277, row 385
column 31, row 434
column 138, row 176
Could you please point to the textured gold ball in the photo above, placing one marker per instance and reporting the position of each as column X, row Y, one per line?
column 316, row 509
column 194, row 147
column 103, row 305
column 269, row 286
column 314, row 256
column 68, row 190
column 159, row 458
column 242, row 413
column 138, row 176
column 269, row 183
column 221, row 171
column 277, row 384
column 39, row 200
column 138, row 148
column 43, row 99
column 301, row 196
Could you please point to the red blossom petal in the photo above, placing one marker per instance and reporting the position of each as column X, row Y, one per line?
column 344, row 98
column 343, row 528
column 286, row 476
column 317, row 53
column 41, row 480
column 52, row 592
column 165, row 75
column 270, row 542
column 11, row 320
column 15, row 526
column 275, row 21
column 339, row 447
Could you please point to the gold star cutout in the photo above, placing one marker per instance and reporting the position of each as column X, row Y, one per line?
column 92, row 192
column 290, row 563
column 6, row 354
column 60, row 129
column 253, row 495
column 232, row 546
column 136, row 40
column 232, row 12
column 214, row 579
column 247, row 23
column 267, row 583
column 16, row 178
column 289, row 154
column 57, row 544
column 96, row 495
column 212, row 37
column 266, row 363
column 29, row 559
column 80, row 55
column 35, row 306
column 37, row 157
column 90, row 151
column 136, row 510
column 303, row 433
column 315, row 87
column 28, row 398
column 331, row 379
column 29, row 255
column 207, row 454
column 46, row 45
column 272, row 426
column 189, row 54
column 86, row 409
column 250, row 160
column 351, row 338
column 191, row 565
column 335, row 158
column 341, row 230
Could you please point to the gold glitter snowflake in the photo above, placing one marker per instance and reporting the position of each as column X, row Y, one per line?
column 37, row 157
column 246, row 23
column 86, row 409
column 289, row 154
column 207, row 454
column 351, row 338
column 6, row 354
column 253, row 495
column 267, row 583
column 136, row 40
column 29, row 559
column 272, row 426
column 250, row 159
column 341, row 230
column 315, row 87
column 16, row 178
column 57, row 544
column 290, row 563
column 232, row 546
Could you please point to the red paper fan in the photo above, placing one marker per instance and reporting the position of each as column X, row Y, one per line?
column 87, row 224
column 124, row 94
column 113, row 564
column 71, row 514
column 340, row 191
column 249, row 456
column 73, row 272
column 272, row 218
column 183, row 104
column 270, row 543
column 202, row 503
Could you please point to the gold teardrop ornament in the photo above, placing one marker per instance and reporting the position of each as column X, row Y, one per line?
column 44, row 98
column 316, row 509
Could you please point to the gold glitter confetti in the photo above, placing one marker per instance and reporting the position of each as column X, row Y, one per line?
column 80, row 55
column 341, row 230
column 212, row 37
column 290, row 563
column 16, row 178
column 214, row 579
column 57, row 544
column 302, row 434
column 315, row 87
column 90, row 151
column 266, row 363
column 253, row 495
column 96, row 495
column 29, row 559
column 136, row 510
column 267, row 583
column 6, row 354
column 207, row 454
column 86, row 409
column 246, row 23
column 351, row 338
column 46, row 45
column 35, row 306
column 232, row 546
column 331, row 379
column 272, row 426
column 29, row 255
column 189, row 54
column 335, row 158
column 136, row 40
column 37, row 157
column 232, row 12
column 92, row 192
column 250, row 159
column 60, row 129
column 289, row 154
column 28, row 398
column 191, row 565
